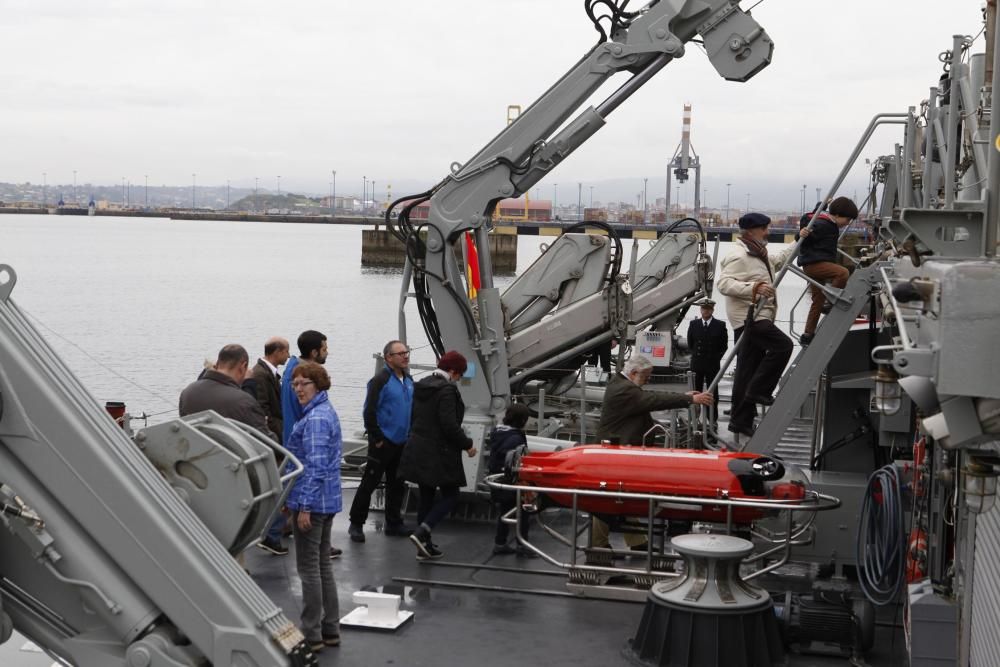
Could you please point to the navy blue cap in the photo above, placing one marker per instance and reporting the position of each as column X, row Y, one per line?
column 751, row 220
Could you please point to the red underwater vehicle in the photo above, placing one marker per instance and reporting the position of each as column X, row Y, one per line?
column 681, row 476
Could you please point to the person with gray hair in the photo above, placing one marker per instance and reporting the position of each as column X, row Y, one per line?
column 386, row 415
column 625, row 419
column 626, row 407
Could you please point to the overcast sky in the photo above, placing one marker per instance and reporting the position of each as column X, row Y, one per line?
column 397, row 90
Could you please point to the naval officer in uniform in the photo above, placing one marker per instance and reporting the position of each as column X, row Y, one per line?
column 708, row 340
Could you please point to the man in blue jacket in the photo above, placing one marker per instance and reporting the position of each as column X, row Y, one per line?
column 312, row 347
column 387, row 421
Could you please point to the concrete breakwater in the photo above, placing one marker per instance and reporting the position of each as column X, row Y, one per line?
column 380, row 247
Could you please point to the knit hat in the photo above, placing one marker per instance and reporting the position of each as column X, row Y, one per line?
column 751, row 220
column 452, row 361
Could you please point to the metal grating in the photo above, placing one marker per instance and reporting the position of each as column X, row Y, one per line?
column 985, row 640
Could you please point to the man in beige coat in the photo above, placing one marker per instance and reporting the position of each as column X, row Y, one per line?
column 746, row 279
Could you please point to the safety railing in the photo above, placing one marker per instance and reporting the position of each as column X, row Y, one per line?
column 813, row 502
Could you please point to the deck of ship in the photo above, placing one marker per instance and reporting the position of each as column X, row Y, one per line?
column 473, row 607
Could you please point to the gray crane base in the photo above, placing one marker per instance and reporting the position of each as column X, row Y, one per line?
column 118, row 566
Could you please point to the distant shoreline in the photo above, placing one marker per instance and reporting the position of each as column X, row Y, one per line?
column 533, row 228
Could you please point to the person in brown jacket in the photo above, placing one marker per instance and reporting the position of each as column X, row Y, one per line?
column 625, row 419
column 268, row 382
column 625, row 411
column 219, row 390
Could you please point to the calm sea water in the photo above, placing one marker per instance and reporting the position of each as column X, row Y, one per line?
column 135, row 305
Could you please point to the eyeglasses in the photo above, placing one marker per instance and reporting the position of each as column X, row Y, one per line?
column 404, row 353
column 298, row 384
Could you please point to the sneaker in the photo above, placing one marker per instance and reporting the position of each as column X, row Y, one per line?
column 331, row 641
column 335, row 552
column 426, row 550
column 356, row 532
column 430, row 552
column 806, row 338
column 275, row 547
column 503, row 550
column 316, row 646
column 397, row 530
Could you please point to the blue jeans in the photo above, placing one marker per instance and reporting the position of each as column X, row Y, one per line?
column 320, row 606
column 277, row 529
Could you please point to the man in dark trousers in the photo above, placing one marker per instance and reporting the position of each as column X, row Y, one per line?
column 708, row 340
column 268, row 382
column 746, row 278
column 387, row 421
column 625, row 419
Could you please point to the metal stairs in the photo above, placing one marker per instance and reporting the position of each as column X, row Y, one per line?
column 804, row 372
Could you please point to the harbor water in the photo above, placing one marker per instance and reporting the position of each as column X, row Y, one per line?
column 135, row 305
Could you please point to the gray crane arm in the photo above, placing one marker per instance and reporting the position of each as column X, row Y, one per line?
column 533, row 145
column 102, row 560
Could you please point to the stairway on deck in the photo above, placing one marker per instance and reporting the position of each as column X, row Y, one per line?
column 795, row 445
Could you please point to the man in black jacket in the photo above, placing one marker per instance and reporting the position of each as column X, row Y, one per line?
column 708, row 340
column 818, row 256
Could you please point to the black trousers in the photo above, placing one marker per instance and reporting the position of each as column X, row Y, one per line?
column 759, row 365
column 503, row 502
column 382, row 461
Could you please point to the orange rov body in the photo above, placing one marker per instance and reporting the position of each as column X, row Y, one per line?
column 689, row 473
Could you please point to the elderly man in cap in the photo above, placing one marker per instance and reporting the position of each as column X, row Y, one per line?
column 746, row 279
column 708, row 340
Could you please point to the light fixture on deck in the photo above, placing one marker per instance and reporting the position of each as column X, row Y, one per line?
column 888, row 395
column 980, row 485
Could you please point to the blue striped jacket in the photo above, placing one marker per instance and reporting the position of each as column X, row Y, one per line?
column 317, row 442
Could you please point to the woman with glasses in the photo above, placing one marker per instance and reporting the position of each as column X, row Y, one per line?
column 314, row 500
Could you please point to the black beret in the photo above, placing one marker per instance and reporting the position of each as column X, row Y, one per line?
column 751, row 220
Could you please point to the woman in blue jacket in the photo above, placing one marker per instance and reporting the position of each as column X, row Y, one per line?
column 314, row 500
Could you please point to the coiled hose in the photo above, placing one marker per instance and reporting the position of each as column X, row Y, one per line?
column 881, row 538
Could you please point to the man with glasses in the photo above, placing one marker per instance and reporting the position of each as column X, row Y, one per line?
column 387, row 421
